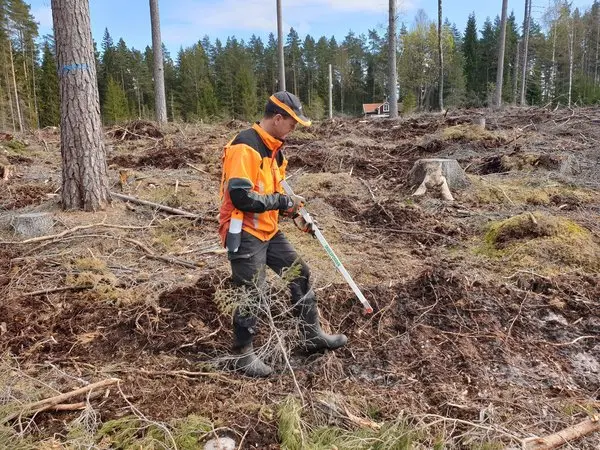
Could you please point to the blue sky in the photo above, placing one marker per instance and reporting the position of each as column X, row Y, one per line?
column 184, row 22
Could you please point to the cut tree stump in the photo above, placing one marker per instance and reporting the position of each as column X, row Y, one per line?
column 437, row 174
column 33, row 224
column 6, row 171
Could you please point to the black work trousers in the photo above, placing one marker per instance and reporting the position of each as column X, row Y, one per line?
column 248, row 269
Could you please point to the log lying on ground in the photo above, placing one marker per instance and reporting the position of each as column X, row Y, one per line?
column 50, row 403
column 437, row 174
column 33, row 224
column 563, row 437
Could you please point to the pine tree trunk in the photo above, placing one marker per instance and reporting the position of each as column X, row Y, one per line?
column 280, row 47
column 441, row 56
column 84, row 171
column 159, row 72
column 392, row 69
column 35, row 102
column 515, row 86
column 14, row 80
column 500, row 73
column 9, row 94
column 526, row 23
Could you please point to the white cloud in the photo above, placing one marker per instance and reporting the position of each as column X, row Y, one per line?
column 186, row 21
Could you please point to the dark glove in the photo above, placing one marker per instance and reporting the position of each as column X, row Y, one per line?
column 290, row 204
column 303, row 225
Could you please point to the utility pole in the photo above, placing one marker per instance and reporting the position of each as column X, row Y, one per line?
column 526, row 24
column 159, row 72
column 441, row 57
column 330, row 93
column 393, row 71
column 500, row 73
column 280, row 47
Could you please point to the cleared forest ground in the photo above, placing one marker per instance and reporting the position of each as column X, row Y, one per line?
column 487, row 326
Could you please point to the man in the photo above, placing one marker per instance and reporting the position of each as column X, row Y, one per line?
column 251, row 202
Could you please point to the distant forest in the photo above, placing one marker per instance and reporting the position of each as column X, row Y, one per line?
column 214, row 80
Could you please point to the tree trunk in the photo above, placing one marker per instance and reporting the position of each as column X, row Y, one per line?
column 571, row 39
column 14, row 80
column 553, row 70
column 159, row 72
column 500, row 73
column 515, row 86
column 280, row 47
column 441, row 56
column 9, row 94
column 330, row 93
column 597, row 48
column 392, row 68
column 526, row 23
column 84, row 171
column 35, row 101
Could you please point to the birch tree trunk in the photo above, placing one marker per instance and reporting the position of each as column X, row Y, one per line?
column 441, row 56
column 526, row 23
column 571, row 39
column 500, row 73
column 280, row 47
column 160, row 102
column 392, row 68
column 84, row 172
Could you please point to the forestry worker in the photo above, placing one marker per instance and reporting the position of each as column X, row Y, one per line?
column 252, row 200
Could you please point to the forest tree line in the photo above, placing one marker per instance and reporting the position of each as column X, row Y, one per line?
column 215, row 79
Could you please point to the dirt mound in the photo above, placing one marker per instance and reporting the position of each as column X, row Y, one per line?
column 138, row 129
column 161, row 158
column 543, row 241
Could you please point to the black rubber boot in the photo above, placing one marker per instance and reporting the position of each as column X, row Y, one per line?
column 314, row 338
column 246, row 360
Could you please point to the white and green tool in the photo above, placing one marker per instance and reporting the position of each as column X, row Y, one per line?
column 336, row 261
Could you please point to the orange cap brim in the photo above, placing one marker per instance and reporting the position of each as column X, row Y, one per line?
column 290, row 111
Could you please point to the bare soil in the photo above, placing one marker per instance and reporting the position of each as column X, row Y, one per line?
column 496, row 343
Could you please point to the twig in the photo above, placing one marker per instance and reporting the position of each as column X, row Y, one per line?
column 179, row 212
column 49, row 403
column 68, row 406
column 73, row 230
column 60, row 289
column 168, row 259
column 197, row 168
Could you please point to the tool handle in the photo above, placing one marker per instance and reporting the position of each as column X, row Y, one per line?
column 336, row 261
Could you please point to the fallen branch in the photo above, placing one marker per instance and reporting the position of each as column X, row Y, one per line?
column 178, row 212
column 150, row 254
column 50, row 403
column 72, row 230
column 197, row 168
column 563, row 437
column 55, row 290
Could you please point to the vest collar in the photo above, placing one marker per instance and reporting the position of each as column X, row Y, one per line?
column 272, row 143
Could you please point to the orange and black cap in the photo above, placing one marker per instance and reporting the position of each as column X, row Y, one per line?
column 289, row 104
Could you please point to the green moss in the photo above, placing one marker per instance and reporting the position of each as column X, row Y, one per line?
column 548, row 243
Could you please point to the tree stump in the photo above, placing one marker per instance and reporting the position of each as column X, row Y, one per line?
column 6, row 171
column 437, row 174
column 479, row 122
column 33, row 224
column 221, row 443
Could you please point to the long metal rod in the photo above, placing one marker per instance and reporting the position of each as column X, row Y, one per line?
column 336, row 261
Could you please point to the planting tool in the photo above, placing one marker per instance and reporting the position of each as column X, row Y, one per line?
column 336, row 261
